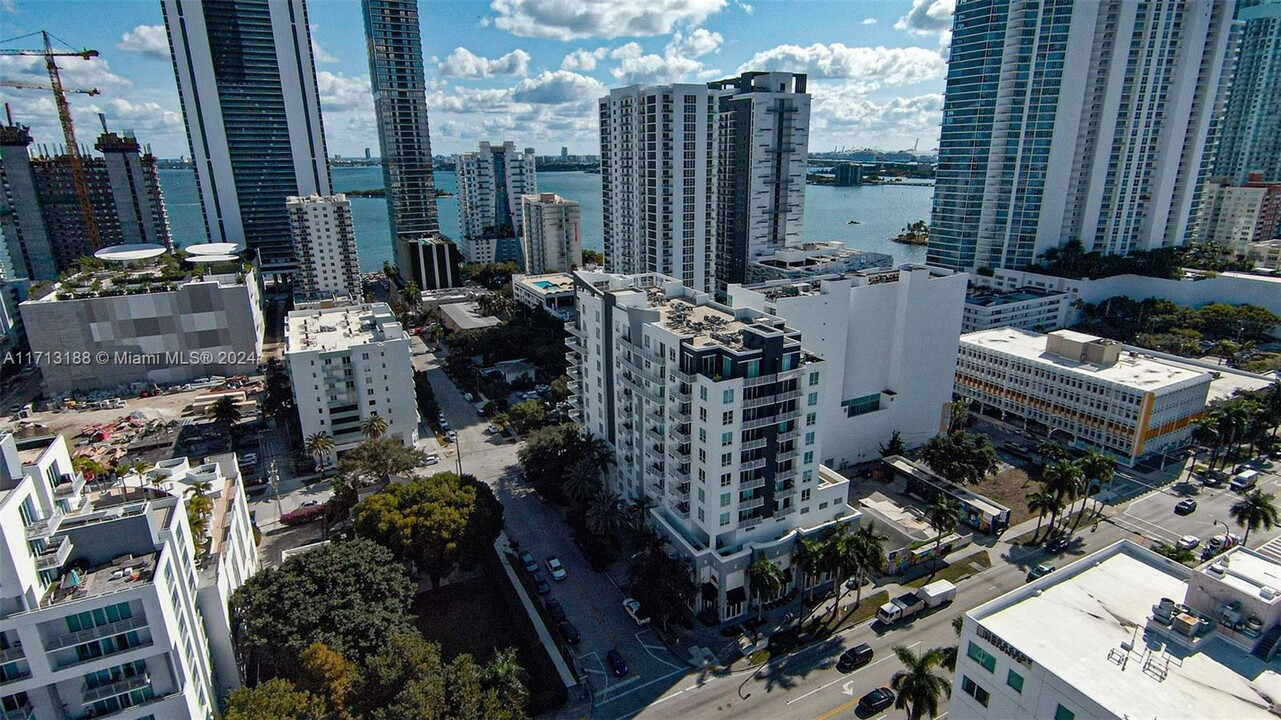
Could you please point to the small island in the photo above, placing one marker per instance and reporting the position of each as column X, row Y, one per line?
column 918, row 233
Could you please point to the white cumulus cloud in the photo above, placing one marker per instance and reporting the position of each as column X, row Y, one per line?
column 868, row 21
column 576, row 19
column 466, row 64
column 928, row 17
column 697, row 44
column 143, row 116
column 341, row 92
column 872, row 66
column 146, row 39
column 554, row 88
column 582, row 59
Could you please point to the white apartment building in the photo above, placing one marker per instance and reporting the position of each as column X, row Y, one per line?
column 1028, row 308
column 712, row 413
column 698, row 179
column 101, row 613
column 889, row 338
column 1075, row 121
column 1126, row 633
column 1083, row 389
column 550, row 233
column 490, row 184
column 347, row 363
column 657, row 155
column 1249, row 137
column 761, row 160
column 1238, row 215
column 325, row 245
column 553, row 292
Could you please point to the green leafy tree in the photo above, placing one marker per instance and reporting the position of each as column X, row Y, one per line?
column 527, row 415
column 766, row 579
column 662, row 584
column 351, row 596
column 327, row 676
column 376, row 461
column 1098, row 470
column 1256, row 510
column 276, row 699
column 918, row 687
column 809, row 556
column 1049, row 451
column 438, row 523
column 199, row 508
column 374, row 426
column 404, row 679
column 965, row 458
column 548, row 452
column 894, row 446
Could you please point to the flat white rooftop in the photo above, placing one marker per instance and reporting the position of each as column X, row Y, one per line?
column 547, row 284
column 341, row 327
column 1131, row 370
column 1073, row 624
column 1253, row 574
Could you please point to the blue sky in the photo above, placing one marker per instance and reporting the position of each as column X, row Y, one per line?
column 525, row 70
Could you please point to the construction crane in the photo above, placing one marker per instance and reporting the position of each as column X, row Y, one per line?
column 76, row 162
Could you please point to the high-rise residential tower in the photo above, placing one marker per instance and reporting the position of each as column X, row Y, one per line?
column 1075, row 121
column 247, row 83
column 40, row 219
column 698, row 180
column 550, row 233
column 1250, row 131
column 491, row 182
column 760, row 169
column 325, row 244
column 404, row 138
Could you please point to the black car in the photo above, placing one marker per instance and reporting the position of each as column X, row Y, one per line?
column 569, row 631
column 855, row 657
column 1058, row 544
column 616, row 662
column 555, row 610
column 876, row 701
column 1186, row 506
column 540, row 584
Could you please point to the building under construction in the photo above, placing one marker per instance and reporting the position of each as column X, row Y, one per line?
column 41, row 217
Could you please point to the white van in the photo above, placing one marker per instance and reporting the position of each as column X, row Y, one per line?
column 1244, row 480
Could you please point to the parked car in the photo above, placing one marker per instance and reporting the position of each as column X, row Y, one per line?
column 431, row 459
column 875, row 701
column 556, row 611
column 309, row 503
column 1189, row 542
column 1039, row 571
column 570, row 632
column 1058, row 544
column 527, row 559
column 540, row 584
column 616, row 662
column 451, row 436
column 633, row 608
column 855, row 657
column 1186, row 506
column 555, row 568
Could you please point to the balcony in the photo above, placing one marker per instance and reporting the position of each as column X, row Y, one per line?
column 10, row 654
column 55, row 555
column 119, row 687
column 46, row 527
column 750, row 465
column 756, row 444
column 749, row 485
column 94, row 633
column 751, row 504
column 785, row 456
column 26, row 712
column 16, row 676
column 573, row 329
column 70, row 484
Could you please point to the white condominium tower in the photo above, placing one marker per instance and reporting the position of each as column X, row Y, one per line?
column 1075, row 121
column 396, row 76
column 712, row 414
column 763, row 140
column 490, row 184
column 325, row 243
column 1250, row 132
column 692, row 172
column 550, row 236
column 247, row 84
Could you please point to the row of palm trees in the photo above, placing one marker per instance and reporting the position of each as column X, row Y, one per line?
column 841, row 554
column 1247, row 421
column 321, row 446
column 1064, row 481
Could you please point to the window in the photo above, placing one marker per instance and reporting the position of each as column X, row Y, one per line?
column 702, row 434
column 862, row 405
column 809, row 438
column 981, row 656
column 700, row 494
column 813, row 379
column 812, row 400
column 1015, row 681
column 811, row 419
column 976, row 691
column 805, row 495
column 809, row 457
column 726, row 479
column 727, row 438
column 1062, row 713
column 724, row 499
column 727, row 396
column 700, row 514
column 724, row 518
column 727, row 417
column 727, row 459
column 702, row 393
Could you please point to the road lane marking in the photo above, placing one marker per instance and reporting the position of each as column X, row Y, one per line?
column 838, row 711
column 849, row 676
column 638, row 688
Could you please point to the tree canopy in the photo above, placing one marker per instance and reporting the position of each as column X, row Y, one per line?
column 961, row 457
column 352, row 596
column 438, row 523
column 547, row 454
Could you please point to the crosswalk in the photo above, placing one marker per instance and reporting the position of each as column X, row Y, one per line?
column 1272, row 548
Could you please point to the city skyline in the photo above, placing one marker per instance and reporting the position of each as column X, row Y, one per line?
column 876, row 74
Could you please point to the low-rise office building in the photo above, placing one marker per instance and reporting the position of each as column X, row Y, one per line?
column 1027, row 308
column 797, row 262
column 104, row 329
column 346, row 364
column 1126, row 633
column 101, row 613
column 712, row 414
column 1084, row 390
column 553, row 292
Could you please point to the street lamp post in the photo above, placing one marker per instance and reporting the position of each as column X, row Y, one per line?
column 748, row 679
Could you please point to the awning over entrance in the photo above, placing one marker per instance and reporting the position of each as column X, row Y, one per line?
column 709, row 592
column 736, row 596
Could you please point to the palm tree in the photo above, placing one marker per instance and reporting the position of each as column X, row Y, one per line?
column 320, row 445
column 942, row 517
column 808, row 555
column 374, row 426
column 581, row 481
column 868, row 554
column 506, row 677
column 605, row 515
column 1064, row 480
column 1042, row 502
column 917, row 687
column 1049, row 451
column 1095, row 467
column 1256, row 510
column 1272, row 405
column 225, row 412
column 767, row 582
column 198, row 508
column 958, row 414
column 1233, row 418
column 1206, row 434
column 639, row 507
column 598, row 449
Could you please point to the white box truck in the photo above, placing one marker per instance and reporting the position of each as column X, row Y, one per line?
column 911, row 604
column 1244, row 480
